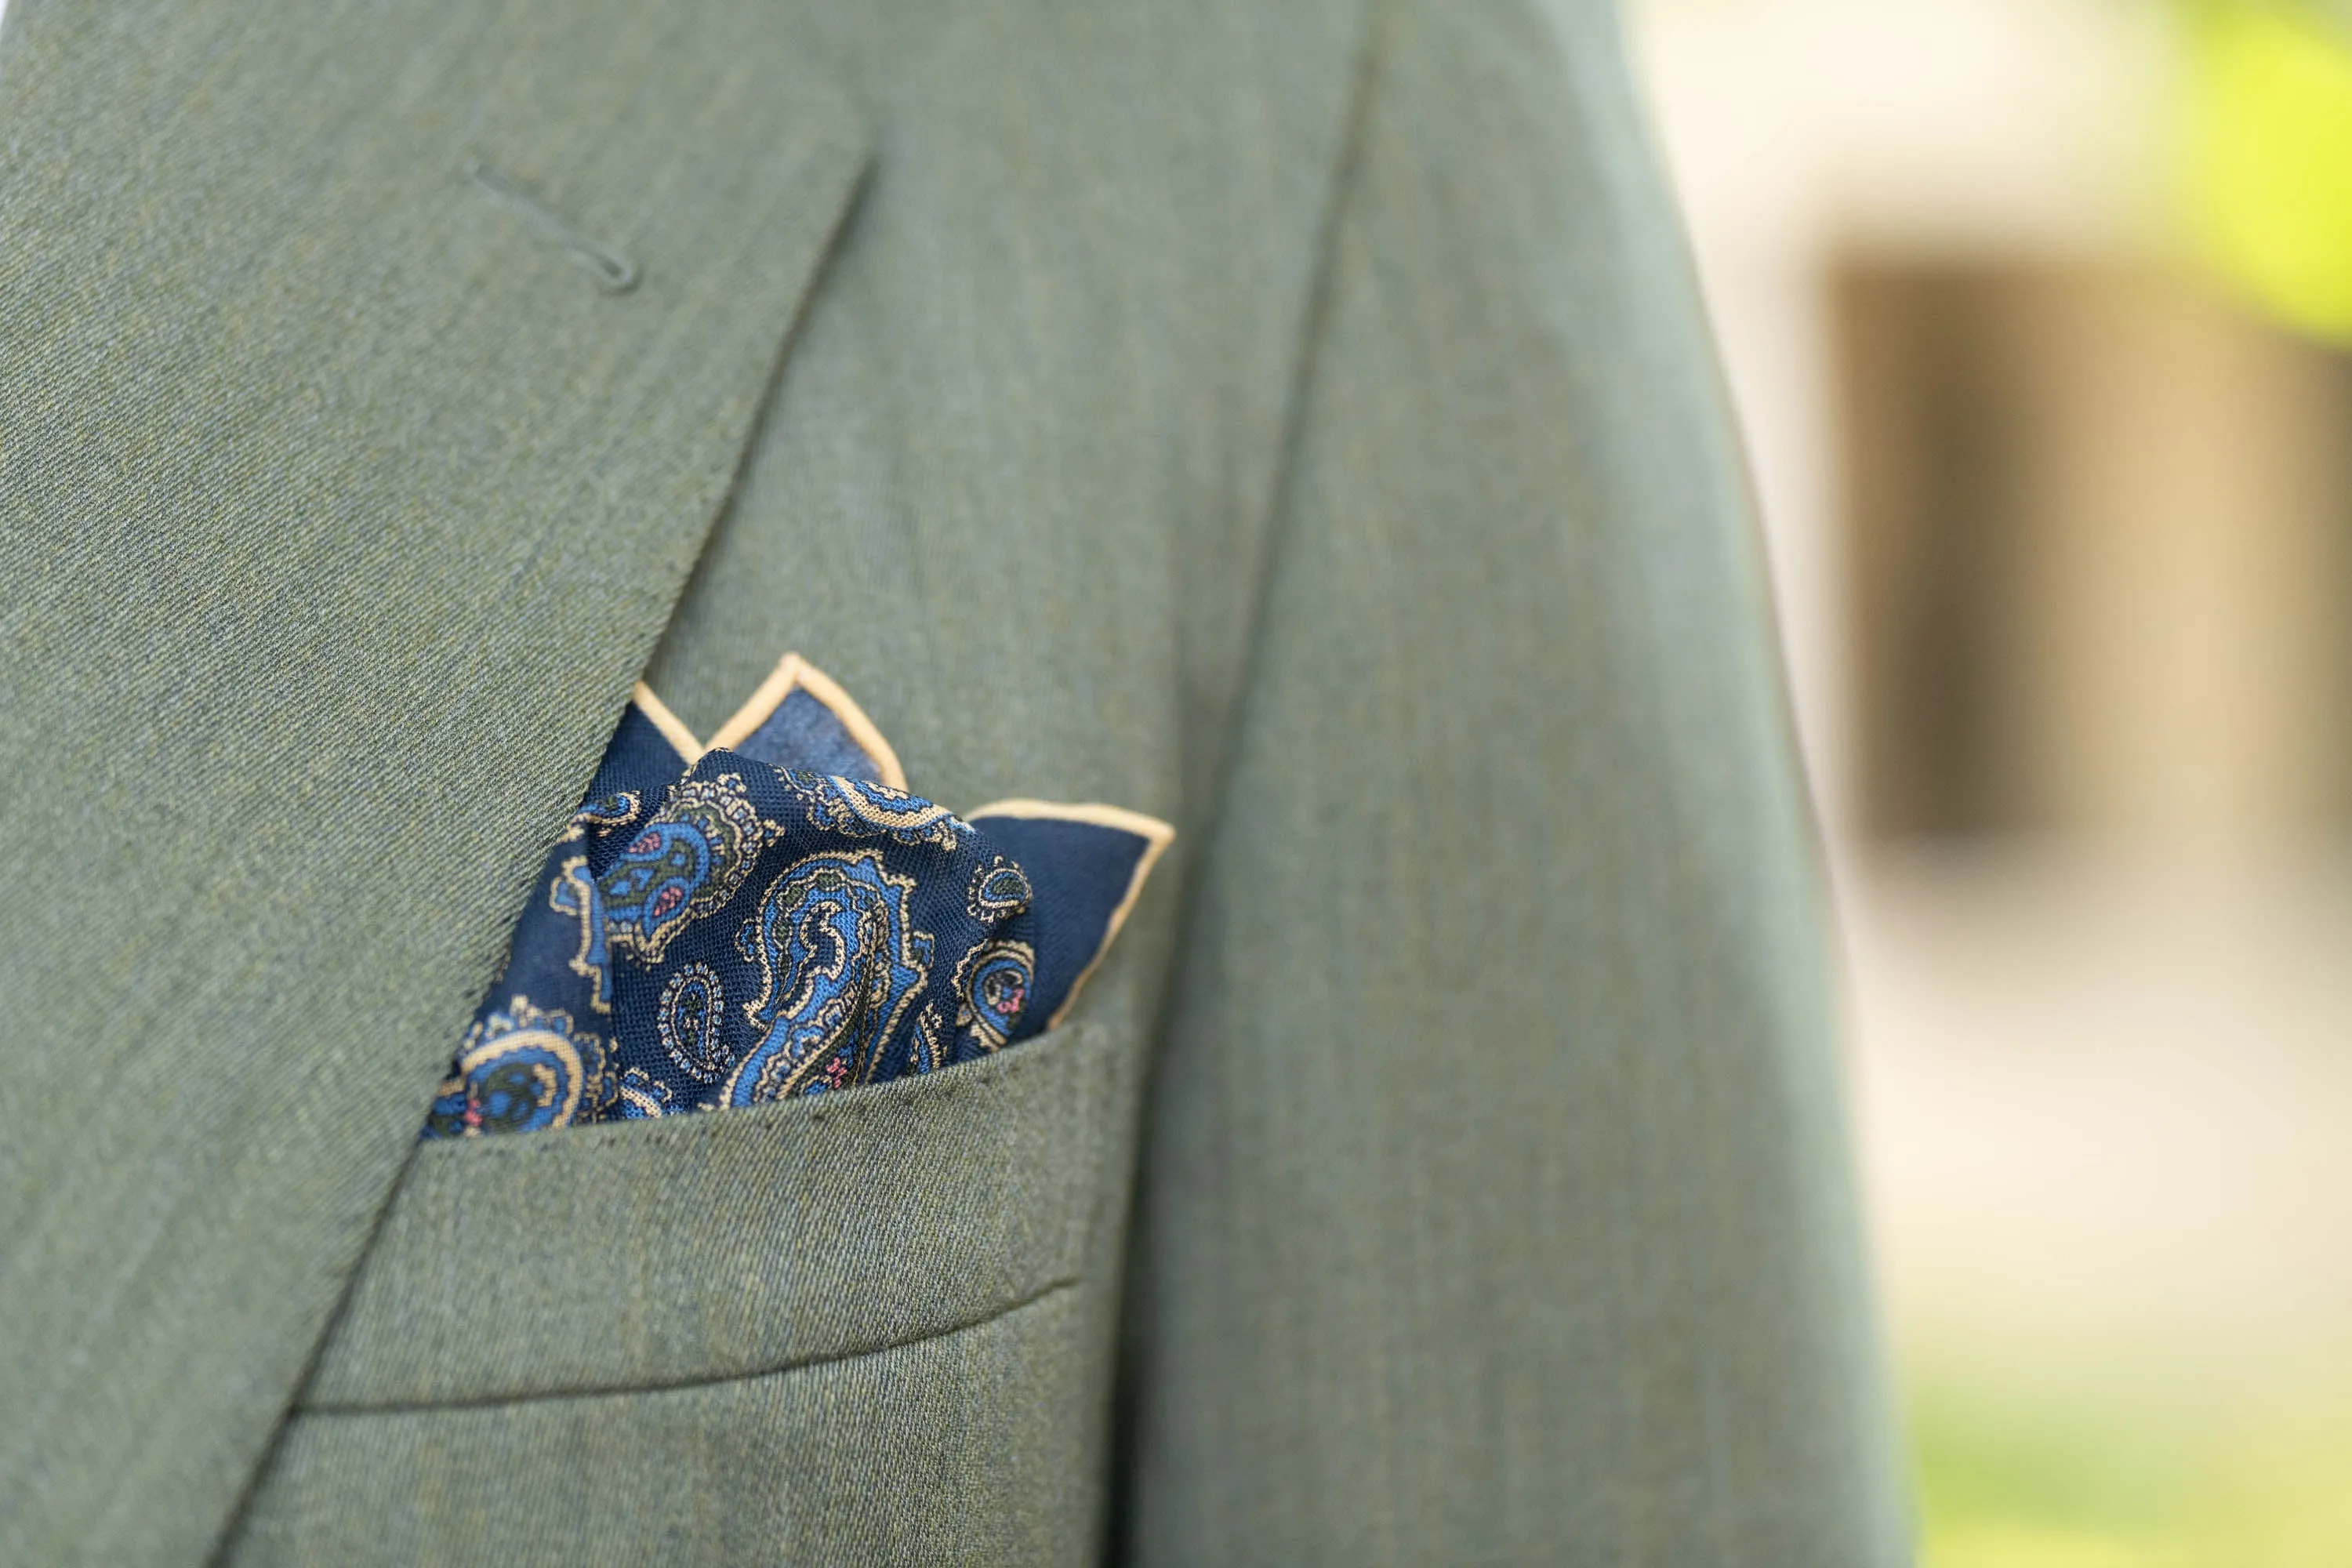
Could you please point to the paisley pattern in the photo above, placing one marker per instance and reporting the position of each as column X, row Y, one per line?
column 574, row 892
column 693, row 1005
column 713, row 929
column 998, row 888
column 688, row 861
column 745, row 947
column 521, row 1069
column 839, row 964
column 859, row 810
column 643, row 1095
column 992, row 989
column 610, row 811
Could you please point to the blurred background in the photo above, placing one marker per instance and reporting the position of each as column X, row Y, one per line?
column 2035, row 315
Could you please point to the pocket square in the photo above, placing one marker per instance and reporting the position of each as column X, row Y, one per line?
column 775, row 914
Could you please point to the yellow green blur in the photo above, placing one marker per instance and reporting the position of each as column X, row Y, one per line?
column 2270, row 157
column 2010, row 1480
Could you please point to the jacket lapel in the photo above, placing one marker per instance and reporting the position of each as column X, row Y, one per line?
column 374, row 375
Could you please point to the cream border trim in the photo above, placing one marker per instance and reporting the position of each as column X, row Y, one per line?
column 794, row 671
column 673, row 728
column 766, row 698
column 1157, row 836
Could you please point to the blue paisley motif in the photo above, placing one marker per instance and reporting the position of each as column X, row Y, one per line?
column 999, row 888
column 520, row 1070
column 862, row 810
column 839, row 963
column 688, row 860
column 690, row 1018
column 642, row 1097
column 603, row 814
column 991, row 987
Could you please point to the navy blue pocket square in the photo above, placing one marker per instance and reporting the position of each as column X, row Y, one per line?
column 775, row 914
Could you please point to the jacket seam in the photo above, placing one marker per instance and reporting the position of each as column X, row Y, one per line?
column 676, row 1384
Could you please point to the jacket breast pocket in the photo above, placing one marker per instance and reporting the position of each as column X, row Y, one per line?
column 735, row 1332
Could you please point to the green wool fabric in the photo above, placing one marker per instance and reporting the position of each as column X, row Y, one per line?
column 1293, row 421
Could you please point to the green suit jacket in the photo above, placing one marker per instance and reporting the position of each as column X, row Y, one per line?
column 1293, row 421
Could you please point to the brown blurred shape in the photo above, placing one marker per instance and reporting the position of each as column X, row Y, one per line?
column 2100, row 564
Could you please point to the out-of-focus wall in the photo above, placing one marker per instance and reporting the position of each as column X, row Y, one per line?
column 1801, row 130
column 2062, row 531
